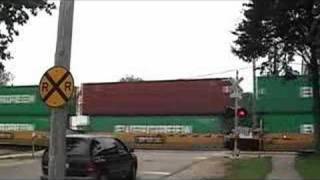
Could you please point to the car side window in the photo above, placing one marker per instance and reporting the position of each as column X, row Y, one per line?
column 77, row 146
column 96, row 147
column 103, row 146
column 121, row 145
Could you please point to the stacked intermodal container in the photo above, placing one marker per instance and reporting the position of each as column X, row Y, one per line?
column 194, row 106
column 284, row 107
column 180, row 97
column 21, row 109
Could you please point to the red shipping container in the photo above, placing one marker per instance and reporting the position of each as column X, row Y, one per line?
column 176, row 97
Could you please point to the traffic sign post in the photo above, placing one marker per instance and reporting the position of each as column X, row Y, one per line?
column 56, row 88
column 237, row 95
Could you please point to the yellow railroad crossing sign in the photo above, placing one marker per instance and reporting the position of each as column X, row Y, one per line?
column 56, row 86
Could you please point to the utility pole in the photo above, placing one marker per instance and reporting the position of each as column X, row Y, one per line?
column 254, row 97
column 236, row 120
column 59, row 116
column 255, row 122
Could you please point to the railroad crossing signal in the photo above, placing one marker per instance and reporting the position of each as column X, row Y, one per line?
column 56, row 86
column 236, row 90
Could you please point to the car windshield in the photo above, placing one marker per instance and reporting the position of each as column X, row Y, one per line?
column 77, row 146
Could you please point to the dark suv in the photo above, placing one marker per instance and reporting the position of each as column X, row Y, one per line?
column 96, row 157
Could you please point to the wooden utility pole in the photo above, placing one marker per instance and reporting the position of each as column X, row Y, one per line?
column 254, row 97
column 236, row 119
column 59, row 116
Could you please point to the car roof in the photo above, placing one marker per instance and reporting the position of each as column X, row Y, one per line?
column 89, row 136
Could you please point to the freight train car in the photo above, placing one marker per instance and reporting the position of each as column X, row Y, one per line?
column 22, row 110
column 157, row 107
column 193, row 105
column 180, row 114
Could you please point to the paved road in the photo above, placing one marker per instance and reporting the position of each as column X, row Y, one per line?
column 8, row 151
column 153, row 165
column 283, row 168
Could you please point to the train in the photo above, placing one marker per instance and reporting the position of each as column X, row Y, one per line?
column 170, row 114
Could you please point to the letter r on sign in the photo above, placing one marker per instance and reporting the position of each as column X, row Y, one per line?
column 44, row 87
column 67, row 86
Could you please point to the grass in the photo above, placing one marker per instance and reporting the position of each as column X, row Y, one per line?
column 309, row 166
column 249, row 169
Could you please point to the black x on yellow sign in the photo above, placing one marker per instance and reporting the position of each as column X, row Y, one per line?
column 56, row 86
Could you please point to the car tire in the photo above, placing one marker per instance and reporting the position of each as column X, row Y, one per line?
column 132, row 174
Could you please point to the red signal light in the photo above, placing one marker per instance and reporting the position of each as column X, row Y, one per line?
column 242, row 113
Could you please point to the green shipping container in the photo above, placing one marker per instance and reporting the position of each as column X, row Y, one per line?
column 24, row 123
column 160, row 124
column 279, row 95
column 285, row 123
column 25, row 101
column 284, row 105
column 21, row 100
column 21, row 108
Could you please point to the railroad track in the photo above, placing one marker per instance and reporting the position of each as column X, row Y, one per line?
column 19, row 147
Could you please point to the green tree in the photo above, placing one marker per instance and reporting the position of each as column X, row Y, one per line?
column 15, row 13
column 5, row 77
column 131, row 78
column 276, row 32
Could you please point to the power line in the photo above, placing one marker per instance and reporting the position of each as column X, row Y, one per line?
column 231, row 70
column 221, row 72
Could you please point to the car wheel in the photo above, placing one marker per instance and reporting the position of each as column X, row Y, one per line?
column 133, row 174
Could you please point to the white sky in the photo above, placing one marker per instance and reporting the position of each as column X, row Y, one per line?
column 151, row 39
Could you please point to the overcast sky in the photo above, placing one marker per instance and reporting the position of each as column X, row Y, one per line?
column 154, row 40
